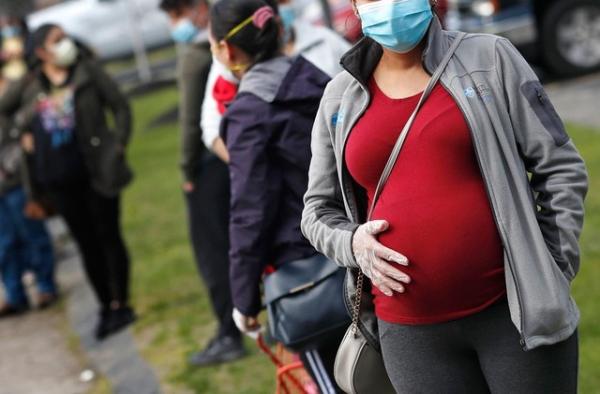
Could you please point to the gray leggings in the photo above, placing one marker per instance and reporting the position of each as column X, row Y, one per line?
column 476, row 354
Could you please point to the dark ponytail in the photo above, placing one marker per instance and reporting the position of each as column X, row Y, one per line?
column 260, row 44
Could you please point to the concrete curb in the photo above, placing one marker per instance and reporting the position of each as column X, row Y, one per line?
column 117, row 357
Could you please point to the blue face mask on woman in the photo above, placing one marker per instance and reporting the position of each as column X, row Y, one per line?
column 184, row 31
column 398, row 25
column 288, row 17
column 11, row 31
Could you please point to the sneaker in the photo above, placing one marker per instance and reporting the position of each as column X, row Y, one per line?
column 115, row 321
column 219, row 350
column 46, row 300
column 102, row 326
column 9, row 310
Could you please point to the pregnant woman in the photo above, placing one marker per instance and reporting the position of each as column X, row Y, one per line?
column 474, row 239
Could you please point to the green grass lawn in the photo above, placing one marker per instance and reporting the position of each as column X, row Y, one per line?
column 173, row 305
column 175, row 314
column 587, row 284
column 154, row 56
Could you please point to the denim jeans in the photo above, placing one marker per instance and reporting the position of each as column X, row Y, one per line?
column 24, row 245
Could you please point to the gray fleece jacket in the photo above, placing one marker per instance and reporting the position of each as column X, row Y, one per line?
column 535, row 179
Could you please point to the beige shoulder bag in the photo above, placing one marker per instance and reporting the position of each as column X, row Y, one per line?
column 358, row 366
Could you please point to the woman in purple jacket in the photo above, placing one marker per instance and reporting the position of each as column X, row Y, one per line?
column 267, row 130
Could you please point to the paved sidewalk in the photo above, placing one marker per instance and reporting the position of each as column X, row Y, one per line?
column 35, row 357
column 577, row 100
column 117, row 357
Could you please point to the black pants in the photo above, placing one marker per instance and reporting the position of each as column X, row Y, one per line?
column 208, row 218
column 94, row 222
column 476, row 354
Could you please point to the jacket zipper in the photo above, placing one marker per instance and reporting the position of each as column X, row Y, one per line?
column 353, row 209
column 352, row 205
column 492, row 202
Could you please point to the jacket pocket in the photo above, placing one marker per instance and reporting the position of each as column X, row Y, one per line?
column 564, row 266
column 540, row 102
column 111, row 171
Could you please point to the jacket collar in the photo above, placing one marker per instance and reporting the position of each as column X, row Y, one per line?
column 285, row 79
column 264, row 79
column 80, row 75
column 363, row 58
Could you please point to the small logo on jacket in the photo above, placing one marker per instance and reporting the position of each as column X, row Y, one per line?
column 336, row 118
column 482, row 91
column 470, row 92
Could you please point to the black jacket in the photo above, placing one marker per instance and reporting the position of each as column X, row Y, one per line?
column 95, row 92
column 10, row 157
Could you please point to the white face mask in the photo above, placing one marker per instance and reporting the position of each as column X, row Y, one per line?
column 224, row 71
column 65, row 52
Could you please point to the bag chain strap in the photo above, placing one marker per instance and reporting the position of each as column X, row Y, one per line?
column 356, row 310
column 390, row 165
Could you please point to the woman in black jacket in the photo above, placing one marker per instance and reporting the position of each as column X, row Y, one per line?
column 78, row 161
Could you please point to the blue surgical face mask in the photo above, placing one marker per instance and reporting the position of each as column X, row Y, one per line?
column 184, row 31
column 288, row 16
column 11, row 31
column 398, row 25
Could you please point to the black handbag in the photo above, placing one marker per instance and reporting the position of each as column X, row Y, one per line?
column 305, row 302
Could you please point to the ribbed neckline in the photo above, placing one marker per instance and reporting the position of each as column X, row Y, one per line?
column 377, row 90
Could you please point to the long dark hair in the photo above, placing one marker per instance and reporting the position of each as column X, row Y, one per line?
column 260, row 44
column 38, row 39
column 39, row 36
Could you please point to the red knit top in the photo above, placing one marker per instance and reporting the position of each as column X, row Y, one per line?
column 436, row 203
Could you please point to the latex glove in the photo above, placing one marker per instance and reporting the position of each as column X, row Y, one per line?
column 248, row 325
column 377, row 261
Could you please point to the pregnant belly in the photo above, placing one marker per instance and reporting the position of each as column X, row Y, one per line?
column 455, row 258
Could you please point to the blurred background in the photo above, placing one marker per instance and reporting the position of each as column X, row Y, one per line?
column 560, row 38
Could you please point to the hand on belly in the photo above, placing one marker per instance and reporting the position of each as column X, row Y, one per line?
column 376, row 261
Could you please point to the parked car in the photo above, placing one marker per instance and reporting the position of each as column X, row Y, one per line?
column 565, row 33
column 109, row 27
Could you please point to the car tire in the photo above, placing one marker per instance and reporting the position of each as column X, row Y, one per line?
column 570, row 36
